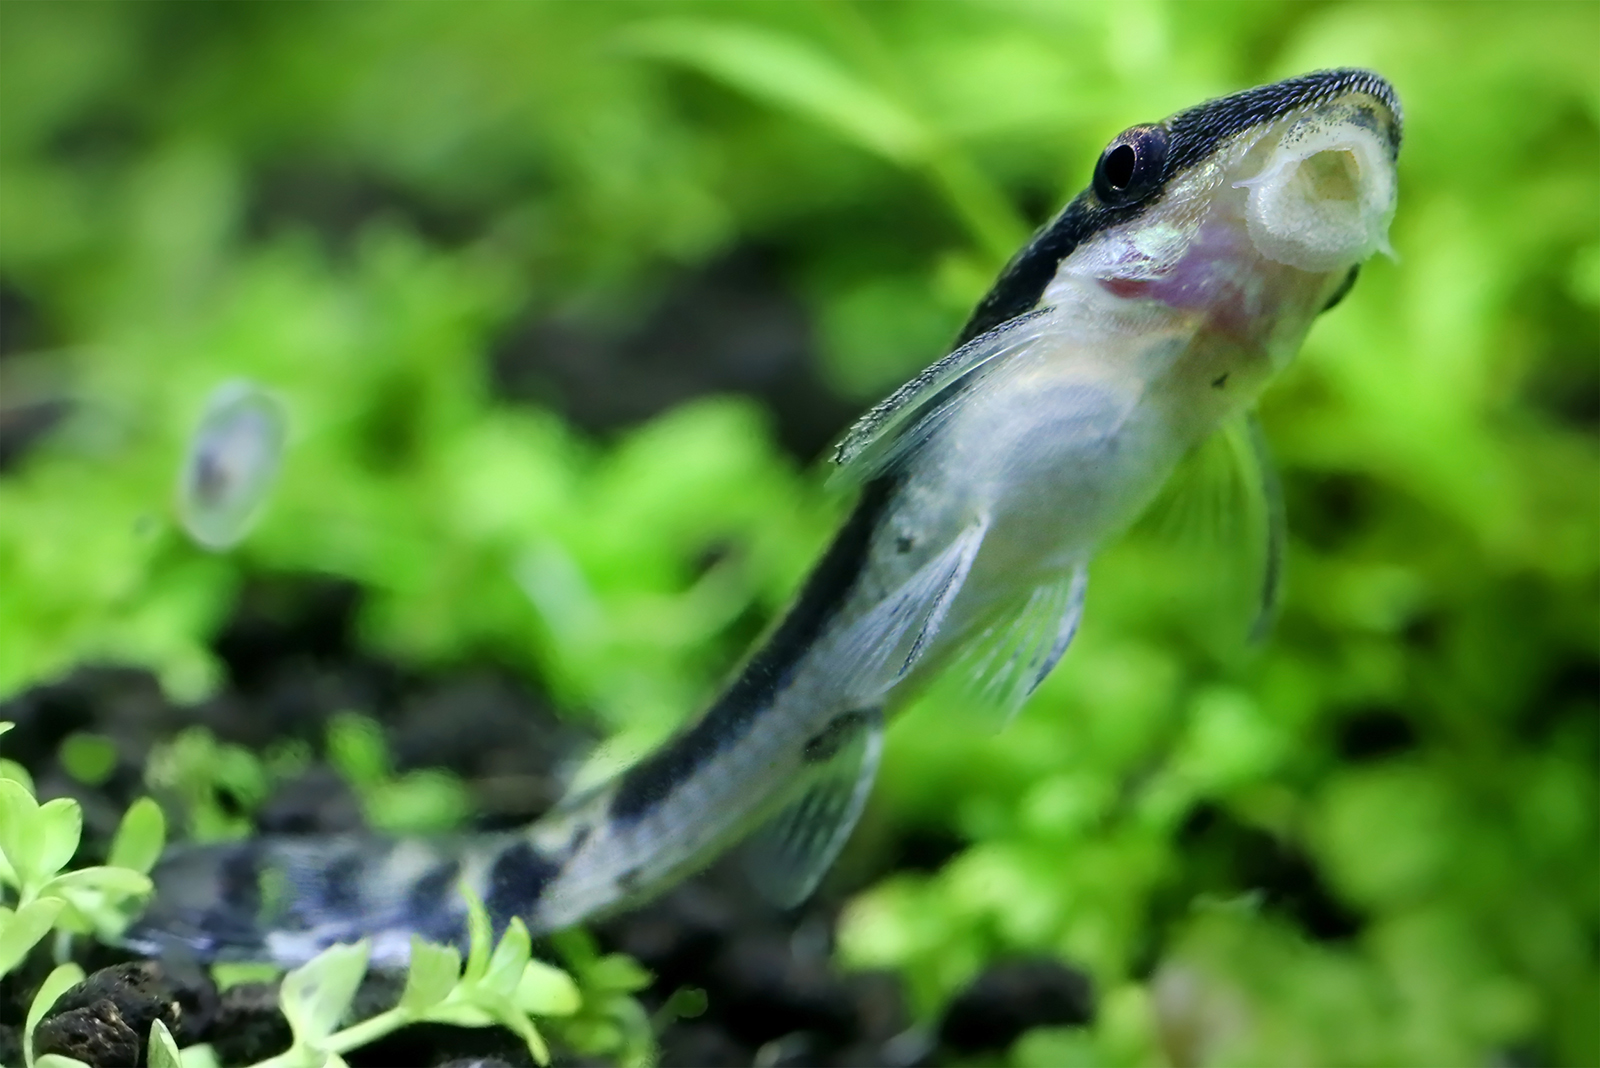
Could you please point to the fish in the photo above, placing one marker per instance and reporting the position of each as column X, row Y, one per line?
column 1138, row 325
column 232, row 464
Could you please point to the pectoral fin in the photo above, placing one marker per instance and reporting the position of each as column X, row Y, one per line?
column 1008, row 659
column 1223, row 510
column 789, row 854
column 873, row 653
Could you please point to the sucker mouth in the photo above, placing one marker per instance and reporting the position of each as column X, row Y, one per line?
column 1326, row 195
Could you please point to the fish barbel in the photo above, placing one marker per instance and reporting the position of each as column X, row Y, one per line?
column 1140, row 323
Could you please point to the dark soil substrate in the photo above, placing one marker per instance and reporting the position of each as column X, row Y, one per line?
column 773, row 996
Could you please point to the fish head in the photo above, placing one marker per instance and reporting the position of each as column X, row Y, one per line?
column 1251, row 212
column 1248, row 213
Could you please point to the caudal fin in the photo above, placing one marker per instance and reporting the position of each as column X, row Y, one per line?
column 286, row 899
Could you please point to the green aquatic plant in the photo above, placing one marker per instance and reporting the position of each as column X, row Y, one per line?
column 43, row 894
column 426, row 801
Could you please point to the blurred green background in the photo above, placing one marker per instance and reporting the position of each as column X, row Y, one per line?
column 564, row 300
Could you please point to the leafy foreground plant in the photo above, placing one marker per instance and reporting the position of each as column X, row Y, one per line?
column 498, row 985
column 36, row 843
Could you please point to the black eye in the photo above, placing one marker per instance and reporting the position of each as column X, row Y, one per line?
column 1131, row 166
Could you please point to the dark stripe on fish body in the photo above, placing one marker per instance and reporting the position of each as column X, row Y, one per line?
column 644, row 785
column 516, row 880
column 234, row 920
column 434, row 892
column 826, row 743
column 340, row 890
column 433, row 908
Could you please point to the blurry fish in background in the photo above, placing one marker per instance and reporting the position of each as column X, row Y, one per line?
column 232, row 463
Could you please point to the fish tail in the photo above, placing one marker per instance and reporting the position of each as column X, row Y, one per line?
column 285, row 899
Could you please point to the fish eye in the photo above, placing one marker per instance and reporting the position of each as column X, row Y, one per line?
column 1131, row 166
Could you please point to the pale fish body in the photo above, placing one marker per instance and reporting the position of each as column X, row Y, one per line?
column 1140, row 323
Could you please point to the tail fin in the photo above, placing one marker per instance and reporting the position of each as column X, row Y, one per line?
column 286, row 899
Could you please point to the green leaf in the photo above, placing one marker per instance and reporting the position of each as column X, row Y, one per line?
column 140, row 836
column 508, row 1015
column 480, row 936
column 509, row 959
column 163, row 1049
column 24, row 928
column 459, row 1013
column 619, row 973
column 60, row 829
column 56, row 1060
column 422, row 802
column 110, row 882
column 10, row 769
column 434, row 972
column 357, row 750
column 58, row 982
column 19, row 829
column 232, row 973
column 89, row 758
column 545, row 990
column 790, row 74
column 315, row 996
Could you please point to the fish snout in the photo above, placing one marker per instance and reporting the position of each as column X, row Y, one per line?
column 1325, row 197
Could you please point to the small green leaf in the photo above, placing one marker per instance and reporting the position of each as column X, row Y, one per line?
column 10, row 769
column 618, row 973
column 89, row 758
column 786, row 72
column 423, row 802
column 480, row 937
column 546, row 991
column 140, row 836
column 315, row 996
column 434, row 972
column 24, row 929
column 56, row 1060
column 459, row 1013
column 101, row 880
column 60, row 828
column 506, row 1014
column 163, row 1049
column 201, row 1056
column 509, row 959
column 19, row 829
column 357, row 751
column 232, row 973
column 58, row 982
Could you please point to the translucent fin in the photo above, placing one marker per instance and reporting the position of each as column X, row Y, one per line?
column 1006, row 662
column 1223, row 507
column 789, row 854
column 881, row 648
column 896, row 425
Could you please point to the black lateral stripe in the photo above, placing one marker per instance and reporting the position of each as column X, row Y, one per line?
column 644, row 785
column 433, row 908
column 434, row 892
column 825, row 745
column 340, row 889
column 1193, row 135
column 516, row 881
